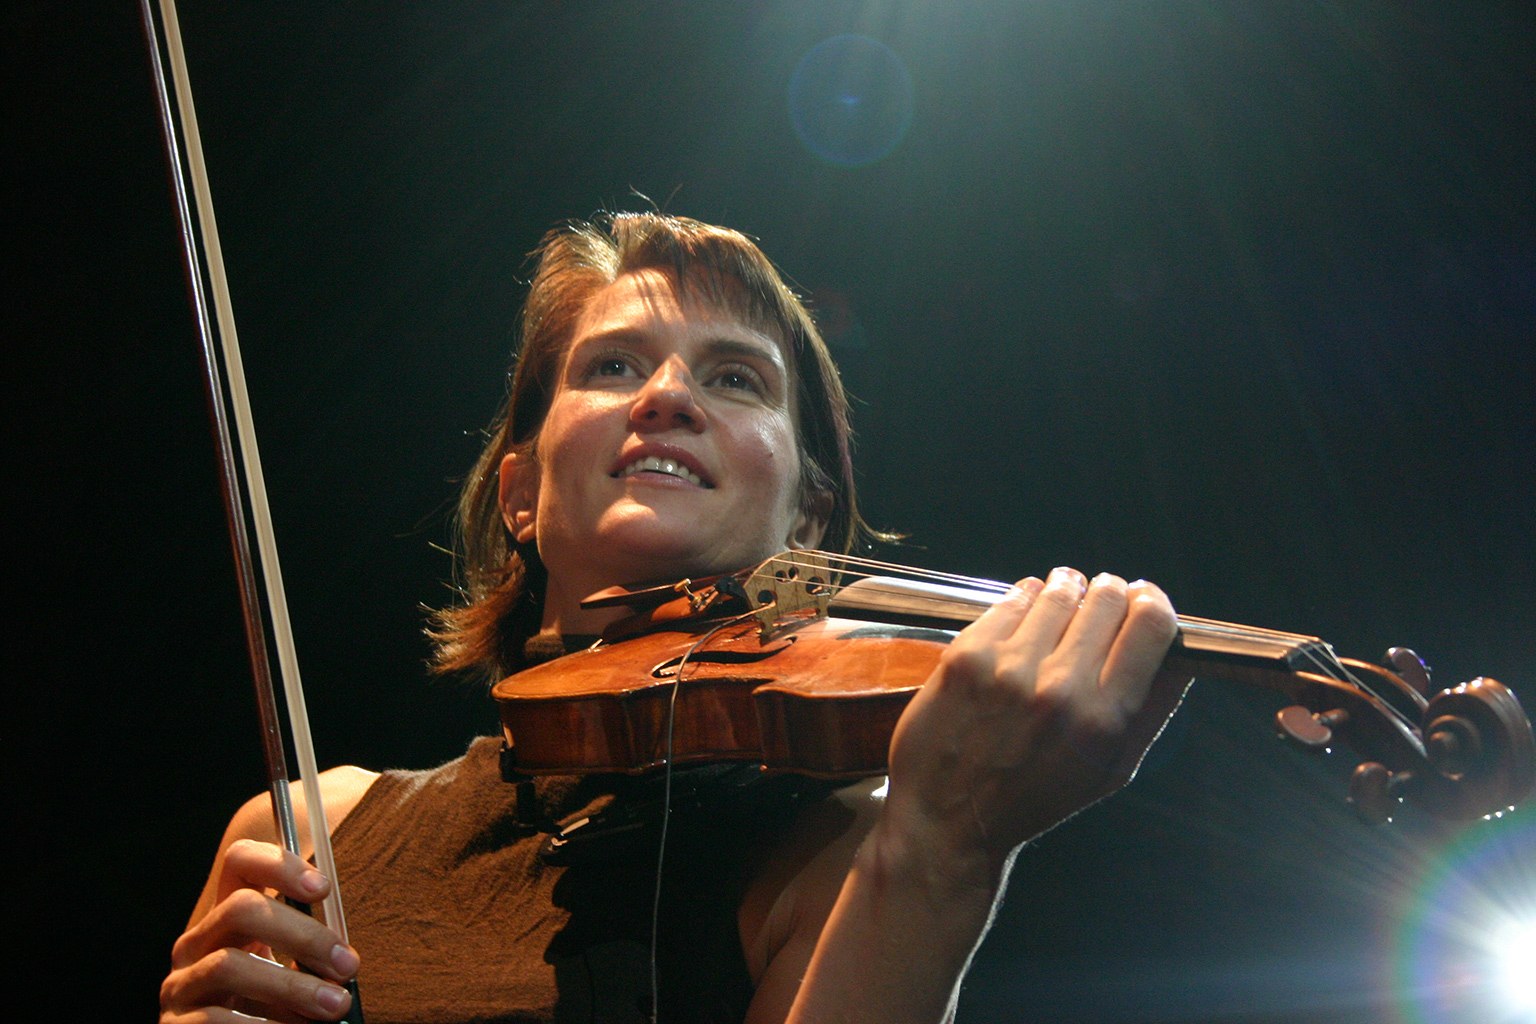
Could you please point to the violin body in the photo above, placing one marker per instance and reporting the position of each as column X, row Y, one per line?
column 770, row 667
column 819, row 699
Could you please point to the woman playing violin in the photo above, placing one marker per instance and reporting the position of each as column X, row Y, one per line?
column 674, row 413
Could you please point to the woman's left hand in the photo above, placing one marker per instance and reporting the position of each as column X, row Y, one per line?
column 1043, row 706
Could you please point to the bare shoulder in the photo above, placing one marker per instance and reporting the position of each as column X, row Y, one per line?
column 341, row 789
column 793, row 892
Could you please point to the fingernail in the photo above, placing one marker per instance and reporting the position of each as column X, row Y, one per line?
column 312, row 881
column 330, row 998
column 1064, row 575
column 344, row 959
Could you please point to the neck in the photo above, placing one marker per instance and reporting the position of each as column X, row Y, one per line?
column 563, row 613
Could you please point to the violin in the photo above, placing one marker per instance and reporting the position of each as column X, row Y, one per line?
column 804, row 663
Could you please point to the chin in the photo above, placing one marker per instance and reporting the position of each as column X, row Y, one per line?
column 666, row 559
column 660, row 553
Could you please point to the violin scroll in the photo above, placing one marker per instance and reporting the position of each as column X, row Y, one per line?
column 1479, row 744
column 1472, row 756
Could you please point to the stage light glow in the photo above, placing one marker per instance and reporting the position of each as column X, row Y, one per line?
column 1467, row 951
column 1514, row 950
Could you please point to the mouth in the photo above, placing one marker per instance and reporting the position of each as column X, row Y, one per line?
column 663, row 466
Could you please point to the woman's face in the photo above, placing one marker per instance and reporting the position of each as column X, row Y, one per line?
column 668, row 450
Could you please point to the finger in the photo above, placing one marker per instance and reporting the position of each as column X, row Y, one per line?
column 1088, row 639
column 248, row 864
column 1002, row 619
column 250, row 920
column 1140, row 647
column 232, row 977
column 1049, row 616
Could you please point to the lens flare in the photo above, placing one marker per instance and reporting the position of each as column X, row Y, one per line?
column 851, row 100
column 1516, row 959
column 1467, row 947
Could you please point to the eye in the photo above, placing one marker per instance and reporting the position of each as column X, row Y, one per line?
column 611, row 364
column 739, row 377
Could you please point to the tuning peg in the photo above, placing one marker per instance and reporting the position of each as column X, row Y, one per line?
column 1375, row 791
column 1410, row 668
column 1312, row 731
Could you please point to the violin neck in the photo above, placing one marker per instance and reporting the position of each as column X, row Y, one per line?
column 1202, row 647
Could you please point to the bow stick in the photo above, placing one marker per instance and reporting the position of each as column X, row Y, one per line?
column 236, row 399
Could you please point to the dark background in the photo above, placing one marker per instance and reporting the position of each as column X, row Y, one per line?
column 1238, row 298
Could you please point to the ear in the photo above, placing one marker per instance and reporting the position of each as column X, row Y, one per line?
column 808, row 526
column 518, row 495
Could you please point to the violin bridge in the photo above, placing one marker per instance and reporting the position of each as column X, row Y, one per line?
column 787, row 585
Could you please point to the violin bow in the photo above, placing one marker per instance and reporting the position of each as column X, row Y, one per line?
column 207, row 283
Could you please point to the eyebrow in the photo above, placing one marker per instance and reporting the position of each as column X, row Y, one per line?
column 765, row 349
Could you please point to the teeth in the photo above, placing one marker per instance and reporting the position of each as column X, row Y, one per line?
column 651, row 464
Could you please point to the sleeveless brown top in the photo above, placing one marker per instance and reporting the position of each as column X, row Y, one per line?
column 460, row 918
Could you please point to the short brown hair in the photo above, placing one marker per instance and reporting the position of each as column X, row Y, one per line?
column 502, row 582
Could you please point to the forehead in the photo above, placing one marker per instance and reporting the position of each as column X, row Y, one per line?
column 646, row 302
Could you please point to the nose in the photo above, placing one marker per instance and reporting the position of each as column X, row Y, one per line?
column 667, row 401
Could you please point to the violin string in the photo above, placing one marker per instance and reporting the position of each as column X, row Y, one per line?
column 893, row 568
column 1319, row 654
column 1336, row 669
column 1315, row 652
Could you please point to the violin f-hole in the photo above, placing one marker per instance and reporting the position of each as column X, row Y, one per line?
column 668, row 669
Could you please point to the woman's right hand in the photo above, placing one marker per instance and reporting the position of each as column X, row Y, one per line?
column 224, row 964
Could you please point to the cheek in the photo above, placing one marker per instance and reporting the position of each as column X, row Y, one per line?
column 771, row 453
column 569, row 442
column 570, row 429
